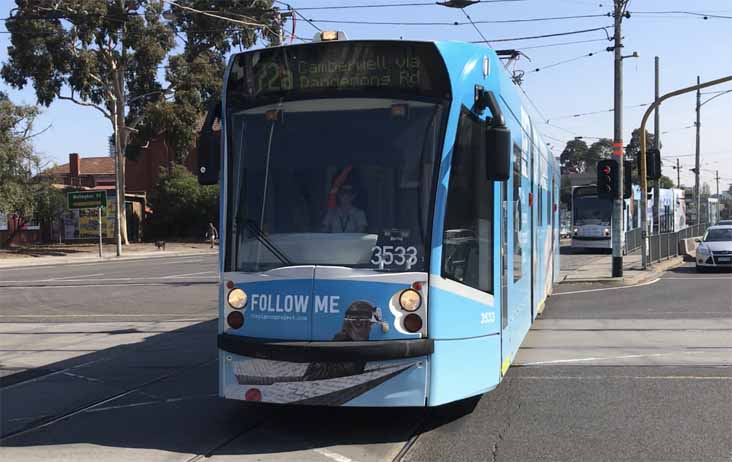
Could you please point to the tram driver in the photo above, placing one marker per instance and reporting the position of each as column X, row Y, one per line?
column 345, row 217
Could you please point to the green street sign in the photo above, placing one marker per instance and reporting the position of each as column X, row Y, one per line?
column 87, row 199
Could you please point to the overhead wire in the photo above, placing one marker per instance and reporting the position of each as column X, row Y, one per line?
column 559, row 63
column 474, row 26
column 390, row 5
column 557, row 34
column 583, row 114
column 452, row 23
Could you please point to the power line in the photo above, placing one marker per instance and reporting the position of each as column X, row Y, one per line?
column 704, row 16
column 559, row 44
column 300, row 15
column 389, row 5
column 558, row 34
column 583, row 114
column 452, row 23
column 559, row 63
column 474, row 26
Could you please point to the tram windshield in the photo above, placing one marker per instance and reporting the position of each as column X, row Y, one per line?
column 592, row 210
column 332, row 181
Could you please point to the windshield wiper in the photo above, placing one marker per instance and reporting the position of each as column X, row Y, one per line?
column 264, row 240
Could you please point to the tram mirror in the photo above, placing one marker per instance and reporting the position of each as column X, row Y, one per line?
column 209, row 148
column 498, row 153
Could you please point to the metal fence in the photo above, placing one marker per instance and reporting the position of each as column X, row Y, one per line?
column 633, row 239
column 665, row 245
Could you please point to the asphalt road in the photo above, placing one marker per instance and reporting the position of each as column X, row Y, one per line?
column 117, row 361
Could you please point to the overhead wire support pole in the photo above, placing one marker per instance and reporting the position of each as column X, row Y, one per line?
column 643, row 148
column 697, row 166
column 617, row 218
column 657, row 145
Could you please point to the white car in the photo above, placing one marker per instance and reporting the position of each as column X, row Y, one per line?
column 715, row 248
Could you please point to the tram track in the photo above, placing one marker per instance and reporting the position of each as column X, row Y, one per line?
column 51, row 420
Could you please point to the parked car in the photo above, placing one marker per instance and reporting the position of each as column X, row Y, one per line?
column 724, row 223
column 715, row 249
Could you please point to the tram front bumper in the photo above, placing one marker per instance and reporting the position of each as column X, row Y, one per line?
column 377, row 373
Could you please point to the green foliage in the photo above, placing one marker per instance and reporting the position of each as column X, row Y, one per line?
column 196, row 74
column 666, row 182
column 16, row 157
column 181, row 207
column 572, row 158
column 21, row 193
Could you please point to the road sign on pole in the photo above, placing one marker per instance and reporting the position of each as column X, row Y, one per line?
column 87, row 199
column 90, row 200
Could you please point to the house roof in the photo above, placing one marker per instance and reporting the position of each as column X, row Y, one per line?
column 88, row 166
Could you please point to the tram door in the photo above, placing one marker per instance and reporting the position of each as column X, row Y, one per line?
column 533, row 208
column 504, row 267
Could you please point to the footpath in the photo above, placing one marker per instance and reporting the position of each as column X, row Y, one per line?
column 61, row 254
column 580, row 267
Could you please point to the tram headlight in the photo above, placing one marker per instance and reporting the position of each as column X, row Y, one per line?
column 410, row 300
column 237, row 299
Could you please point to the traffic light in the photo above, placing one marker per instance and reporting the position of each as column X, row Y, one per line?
column 627, row 179
column 653, row 164
column 607, row 179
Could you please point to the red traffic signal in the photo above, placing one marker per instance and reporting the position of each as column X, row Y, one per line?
column 606, row 170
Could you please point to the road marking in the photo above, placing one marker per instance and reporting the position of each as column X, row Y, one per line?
column 130, row 284
column 177, row 262
column 333, row 455
column 79, row 279
column 188, row 274
column 77, row 276
column 97, row 316
column 609, row 377
column 600, row 358
column 606, row 288
column 702, row 277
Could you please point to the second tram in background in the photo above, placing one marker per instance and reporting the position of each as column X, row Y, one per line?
column 592, row 216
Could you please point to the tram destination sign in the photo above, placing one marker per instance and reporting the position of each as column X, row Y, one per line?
column 87, row 199
column 338, row 68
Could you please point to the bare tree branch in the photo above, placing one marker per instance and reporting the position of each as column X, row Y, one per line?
column 26, row 137
column 84, row 103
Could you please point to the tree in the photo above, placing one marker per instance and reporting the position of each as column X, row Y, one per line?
column 16, row 158
column 181, row 207
column 572, row 159
column 600, row 149
column 632, row 151
column 666, row 182
column 105, row 54
column 22, row 195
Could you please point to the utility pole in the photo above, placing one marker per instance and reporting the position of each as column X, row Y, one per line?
column 678, row 174
column 657, row 129
column 697, row 190
column 617, row 226
column 716, row 178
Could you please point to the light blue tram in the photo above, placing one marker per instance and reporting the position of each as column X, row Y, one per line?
column 389, row 223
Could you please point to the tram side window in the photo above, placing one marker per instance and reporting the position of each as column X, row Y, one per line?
column 517, row 250
column 467, row 251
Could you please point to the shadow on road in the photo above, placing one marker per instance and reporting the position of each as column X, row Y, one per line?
column 161, row 394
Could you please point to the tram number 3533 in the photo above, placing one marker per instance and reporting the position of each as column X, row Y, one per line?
column 388, row 255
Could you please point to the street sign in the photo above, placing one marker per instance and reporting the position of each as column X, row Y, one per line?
column 87, row 199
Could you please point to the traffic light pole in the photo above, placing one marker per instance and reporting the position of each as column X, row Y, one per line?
column 617, row 227
column 643, row 148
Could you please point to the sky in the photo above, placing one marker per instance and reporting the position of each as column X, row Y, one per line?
column 687, row 46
